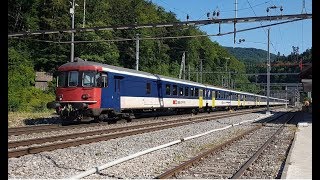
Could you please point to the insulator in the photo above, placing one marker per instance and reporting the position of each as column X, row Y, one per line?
column 218, row 13
column 267, row 9
column 208, row 15
column 281, row 9
column 214, row 13
column 187, row 16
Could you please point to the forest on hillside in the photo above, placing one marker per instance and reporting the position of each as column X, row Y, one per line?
column 28, row 54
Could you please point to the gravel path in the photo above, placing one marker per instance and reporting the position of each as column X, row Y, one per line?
column 64, row 163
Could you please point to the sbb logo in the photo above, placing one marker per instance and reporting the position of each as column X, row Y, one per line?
column 174, row 102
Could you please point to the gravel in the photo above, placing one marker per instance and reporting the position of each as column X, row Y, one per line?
column 63, row 163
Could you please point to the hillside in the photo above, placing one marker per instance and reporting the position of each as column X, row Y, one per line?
column 250, row 55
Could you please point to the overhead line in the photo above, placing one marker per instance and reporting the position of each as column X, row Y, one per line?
column 184, row 23
column 178, row 37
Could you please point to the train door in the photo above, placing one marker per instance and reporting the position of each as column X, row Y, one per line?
column 160, row 93
column 213, row 98
column 238, row 99
column 200, row 98
column 116, row 94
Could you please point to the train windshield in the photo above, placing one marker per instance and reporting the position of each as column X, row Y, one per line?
column 81, row 79
column 88, row 79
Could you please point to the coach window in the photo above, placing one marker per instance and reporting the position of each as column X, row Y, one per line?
column 191, row 92
column 217, row 94
column 174, row 90
column 180, row 91
column 73, row 78
column 196, row 93
column 148, row 88
column 168, row 89
column 186, row 91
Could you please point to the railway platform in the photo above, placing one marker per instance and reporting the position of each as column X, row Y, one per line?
column 299, row 162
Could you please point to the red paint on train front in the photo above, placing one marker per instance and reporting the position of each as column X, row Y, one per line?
column 80, row 68
column 75, row 94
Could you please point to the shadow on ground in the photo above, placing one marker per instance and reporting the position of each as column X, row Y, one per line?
column 38, row 121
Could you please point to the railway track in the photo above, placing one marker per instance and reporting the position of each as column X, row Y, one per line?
column 102, row 135
column 230, row 159
column 54, row 127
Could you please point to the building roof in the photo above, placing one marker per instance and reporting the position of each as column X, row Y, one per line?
column 44, row 76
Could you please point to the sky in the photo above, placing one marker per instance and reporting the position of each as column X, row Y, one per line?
column 282, row 37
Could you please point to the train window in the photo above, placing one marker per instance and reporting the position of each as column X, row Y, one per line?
column 73, row 78
column 88, row 79
column 196, row 93
column 174, row 90
column 148, row 88
column 227, row 95
column 168, row 89
column 62, row 79
column 186, row 91
column 180, row 91
column 205, row 93
column 217, row 94
column 192, row 92
column 208, row 93
column 102, row 80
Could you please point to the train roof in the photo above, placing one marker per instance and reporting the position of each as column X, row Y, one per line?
column 105, row 67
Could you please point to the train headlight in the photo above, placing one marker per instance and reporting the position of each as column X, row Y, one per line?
column 59, row 97
column 85, row 96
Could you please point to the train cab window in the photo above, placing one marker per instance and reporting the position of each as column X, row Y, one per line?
column 186, row 91
column 102, row 80
column 148, row 89
column 73, row 78
column 180, row 91
column 196, row 93
column 88, row 79
column 192, row 92
column 61, row 80
column 168, row 89
column 174, row 90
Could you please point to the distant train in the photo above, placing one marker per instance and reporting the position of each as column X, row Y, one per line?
column 100, row 91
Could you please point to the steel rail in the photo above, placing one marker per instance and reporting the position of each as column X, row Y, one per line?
column 49, row 147
column 245, row 166
column 177, row 169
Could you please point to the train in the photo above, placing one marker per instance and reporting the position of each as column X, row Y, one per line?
column 87, row 89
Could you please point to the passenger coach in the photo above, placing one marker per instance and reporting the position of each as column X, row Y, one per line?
column 91, row 89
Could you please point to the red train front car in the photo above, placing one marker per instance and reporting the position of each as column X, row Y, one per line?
column 78, row 92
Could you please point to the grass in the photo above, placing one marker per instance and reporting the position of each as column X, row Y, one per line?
column 18, row 118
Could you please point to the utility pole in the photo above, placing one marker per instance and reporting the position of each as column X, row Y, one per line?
column 84, row 13
column 182, row 66
column 137, row 52
column 201, row 70
column 286, row 96
column 268, row 74
column 234, row 24
column 72, row 34
column 189, row 73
